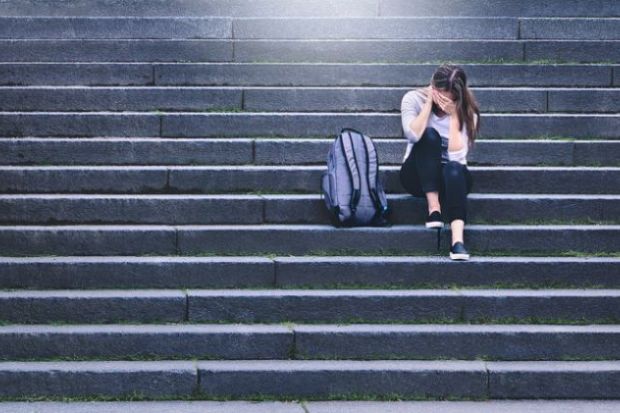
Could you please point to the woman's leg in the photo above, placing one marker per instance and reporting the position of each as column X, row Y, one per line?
column 457, row 184
column 427, row 156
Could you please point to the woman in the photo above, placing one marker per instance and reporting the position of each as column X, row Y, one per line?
column 441, row 123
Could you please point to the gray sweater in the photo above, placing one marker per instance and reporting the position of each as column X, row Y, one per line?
column 411, row 106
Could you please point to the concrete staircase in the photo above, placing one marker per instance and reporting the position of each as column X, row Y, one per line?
column 163, row 236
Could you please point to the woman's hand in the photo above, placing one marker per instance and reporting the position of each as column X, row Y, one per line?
column 429, row 97
column 447, row 105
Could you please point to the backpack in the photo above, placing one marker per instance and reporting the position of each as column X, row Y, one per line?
column 351, row 187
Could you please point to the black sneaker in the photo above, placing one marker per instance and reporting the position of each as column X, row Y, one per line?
column 458, row 252
column 434, row 220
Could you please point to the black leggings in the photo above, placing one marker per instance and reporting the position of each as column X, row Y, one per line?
column 423, row 171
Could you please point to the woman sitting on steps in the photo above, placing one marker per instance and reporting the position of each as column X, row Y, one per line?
column 441, row 123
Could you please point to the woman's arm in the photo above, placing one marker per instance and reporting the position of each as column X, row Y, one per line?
column 415, row 111
column 455, row 141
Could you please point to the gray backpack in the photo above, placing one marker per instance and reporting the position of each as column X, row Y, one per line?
column 351, row 187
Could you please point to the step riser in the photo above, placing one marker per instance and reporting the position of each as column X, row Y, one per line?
column 397, row 309
column 223, row 74
column 292, row 28
column 116, row 50
column 254, row 272
column 293, row 100
column 554, row 8
column 255, row 210
column 161, row 307
column 178, row 380
column 222, row 125
column 270, row 8
column 229, row 346
column 47, row 151
column 300, row 152
column 311, row 273
column 240, row 8
column 199, row 50
column 435, row 345
column 525, row 240
column 343, row 28
column 297, row 241
column 125, row 28
column 209, row 181
column 136, row 152
column 465, row 379
column 306, row 308
column 308, row 344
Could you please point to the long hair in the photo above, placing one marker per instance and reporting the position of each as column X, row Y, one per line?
column 451, row 78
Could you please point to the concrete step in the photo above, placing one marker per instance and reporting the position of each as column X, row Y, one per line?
column 339, row 27
column 320, row 380
column 405, row 306
column 121, row 342
column 279, row 28
column 117, row 50
column 300, row 239
column 95, row 306
column 554, row 8
column 557, row 306
column 391, row 152
column 426, row 50
column 294, row 99
column 115, row 28
column 291, row 124
column 396, row 51
column 302, row 74
column 314, row 8
column 487, row 406
column 490, row 342
column 223, row 8
column 213, row 151
column 174, row 379
column 397, row 27
column 151, row 151
column 361, row 342
column 284, row 179
column 72, row 272
column 569, row 28
column 290, row 209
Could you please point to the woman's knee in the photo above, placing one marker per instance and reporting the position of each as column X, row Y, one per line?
column 431, row 137
column 453, row 169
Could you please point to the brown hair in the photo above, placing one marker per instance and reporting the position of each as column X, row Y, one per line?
column 451, row 78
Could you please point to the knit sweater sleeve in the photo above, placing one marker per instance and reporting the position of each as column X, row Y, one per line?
column 410, row 107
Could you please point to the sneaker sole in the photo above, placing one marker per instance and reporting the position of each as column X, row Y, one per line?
column 459, row 257
column 434, row 224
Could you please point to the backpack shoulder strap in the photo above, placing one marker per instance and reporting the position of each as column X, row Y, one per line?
column 373, row 171
column 347, row 148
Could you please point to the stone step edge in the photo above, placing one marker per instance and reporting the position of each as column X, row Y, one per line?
column 168, row 87
column 250, row 168
column 293, row 327
column 292, row 197
column 326, row 139
column 296, row 227
column 165, row 113
column 325, row 293
column 48, row 404
column 299, row 259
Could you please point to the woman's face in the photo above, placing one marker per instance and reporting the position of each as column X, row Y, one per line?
column 444, row 93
